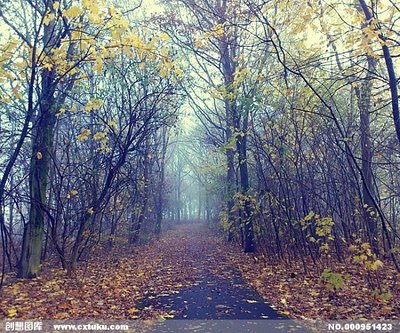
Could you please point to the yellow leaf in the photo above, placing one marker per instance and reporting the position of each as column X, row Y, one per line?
column 61, row 112
column 98, row 66
column 217, row 31
column 48, row 66
column 112, row 124
column 87, row 3
column 48, row 18
column 133, row 310
column 377, row 264
column 309, row 216
column 72, row 12
column 178, row 71
column 72, row 193
column 112, row 11
column 93, row 104
column 283, row 301
column 123, row 23
column 12, row 313
column 198, row 44
column 164, row 37
column 84, row 135
column 94, row 18
column 163, row 72
column 164, row 51
column 285, row 313
column 99, row 135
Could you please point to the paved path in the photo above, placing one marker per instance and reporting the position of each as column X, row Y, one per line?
column 215, row 298
column 218, row 297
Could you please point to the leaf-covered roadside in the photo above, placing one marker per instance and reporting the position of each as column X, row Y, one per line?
column 108, row 287
column 349, row 291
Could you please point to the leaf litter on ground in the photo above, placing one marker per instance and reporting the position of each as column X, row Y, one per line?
column 112, row 285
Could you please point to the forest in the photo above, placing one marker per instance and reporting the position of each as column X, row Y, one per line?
column 172, row 158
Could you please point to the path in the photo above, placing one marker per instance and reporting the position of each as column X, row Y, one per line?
column 216, row 291
column 189, row 273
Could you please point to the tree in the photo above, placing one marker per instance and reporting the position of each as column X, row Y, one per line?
column 70, row 45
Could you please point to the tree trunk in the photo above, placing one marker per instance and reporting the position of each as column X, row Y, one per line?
column 364, row 100
column 42, row 146
column 38, row 179
column 390, row 69
column 246, row 221
column 145, row 197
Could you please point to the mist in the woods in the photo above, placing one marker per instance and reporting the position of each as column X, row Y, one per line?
column 208, row 159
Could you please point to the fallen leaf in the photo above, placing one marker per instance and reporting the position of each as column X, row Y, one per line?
column 251, row 301
column 12, row 313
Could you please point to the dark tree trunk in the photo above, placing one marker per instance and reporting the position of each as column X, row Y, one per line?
column 364, row 100
column 38, row 178
column 145, row 197
column 246, row 221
